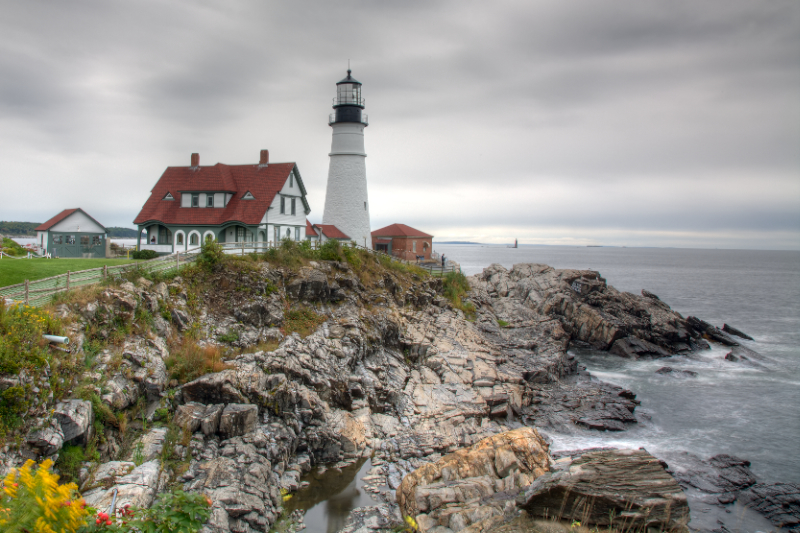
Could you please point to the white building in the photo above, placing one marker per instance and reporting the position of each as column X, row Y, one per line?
column 72, row 233
column 346, row 198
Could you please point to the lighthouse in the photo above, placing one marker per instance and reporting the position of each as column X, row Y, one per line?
column 346, row 200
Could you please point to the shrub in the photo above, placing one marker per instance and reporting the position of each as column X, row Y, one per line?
column 12, row 247
column 144, row 254
column 211, row 254
column 302, row 320
column 456, row 288
column 177, row 512
column 331, row 251
column 34, row 501
column 188, row 361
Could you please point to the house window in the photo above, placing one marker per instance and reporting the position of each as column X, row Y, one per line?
column 69, row 239
column 289, row 233
column 180, row 239
column 277, row 234
column 195, row 200
column 57, row 239
column 239, row 234
column 210, row 200
column 291, row 180
column 297, row 234
column 293, row 203
column 85, row 240
column 365, row 206
column 283, row 205
column 414, row 246
column 193, row 239
column 97, row 240
column 164, row 236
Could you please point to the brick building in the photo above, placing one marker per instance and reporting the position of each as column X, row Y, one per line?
column 403, row 241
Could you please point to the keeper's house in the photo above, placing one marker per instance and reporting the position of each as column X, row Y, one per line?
column 73, row 233
column 263, row 202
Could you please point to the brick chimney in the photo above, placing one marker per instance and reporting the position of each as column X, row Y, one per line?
column 195, row 160
column 264, row 161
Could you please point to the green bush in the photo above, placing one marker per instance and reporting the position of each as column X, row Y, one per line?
column 331, row 251
column 211, row 254
column 144, row 254
column 11, row 247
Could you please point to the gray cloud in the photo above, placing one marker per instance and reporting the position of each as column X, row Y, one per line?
column 673, row 122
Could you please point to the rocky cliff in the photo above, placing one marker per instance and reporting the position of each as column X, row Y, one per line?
column 235, row 381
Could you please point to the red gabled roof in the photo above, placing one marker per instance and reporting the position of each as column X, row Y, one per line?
column 61, row 216
column 262, row 182
column 331, row 231
column 310, row 230
column 399, row 230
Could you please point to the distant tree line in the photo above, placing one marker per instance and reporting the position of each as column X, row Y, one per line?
column 27, row 229
column 18, row 229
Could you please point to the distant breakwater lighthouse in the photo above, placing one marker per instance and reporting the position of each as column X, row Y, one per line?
column 346, row 199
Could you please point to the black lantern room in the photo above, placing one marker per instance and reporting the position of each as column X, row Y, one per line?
column 348, row 102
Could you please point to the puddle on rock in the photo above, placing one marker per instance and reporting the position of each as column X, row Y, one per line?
column 330, row 496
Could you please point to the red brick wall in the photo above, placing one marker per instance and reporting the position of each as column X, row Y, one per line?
column 403, row 247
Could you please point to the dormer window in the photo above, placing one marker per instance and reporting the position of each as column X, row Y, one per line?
column 195, row 200
column 169, row 196
column 210, row 200
column 248, row 196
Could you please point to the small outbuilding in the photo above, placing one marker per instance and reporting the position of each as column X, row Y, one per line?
column 73, row 233
column 403, row 241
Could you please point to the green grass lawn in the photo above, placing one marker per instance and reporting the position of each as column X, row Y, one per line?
column 18, row 270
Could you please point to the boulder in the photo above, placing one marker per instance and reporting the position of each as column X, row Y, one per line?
column 213, row 388
column 312, row 285
column 733, row 331
column 457, row 490
column 634, row 348
column 75, row 418
column 720, row 474
column 181, row 319
column 238, row 419
column 261, row 312
column 137, row 488
column 669, row 371
column 194, row 416
column 48, row 440
column 600, row 487
column 779, row 502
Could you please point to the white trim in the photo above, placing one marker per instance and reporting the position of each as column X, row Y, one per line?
column 175, row 239
column 199, row 238
column 206, row 234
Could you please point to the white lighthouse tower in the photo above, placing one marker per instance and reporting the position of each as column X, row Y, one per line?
column 346, row 200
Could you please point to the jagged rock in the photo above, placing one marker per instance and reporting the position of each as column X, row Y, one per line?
column 162, row 327
column 150, row 445
column 107, row 473
column 122, row 392
column 669, row 371
column 181, row 319
column 742, row 354
column 48, row 440
column 629, row 486
column 634, row 348
column 455, row 490
column 710, row 332
column 779, row 502
column 237, row 419
column 733, row 331
column 137, row 488
column 122, row 303
column 213, row 388
column 312, row 284
column 188, row 416
column 148, row 368
column 720, row 474
column 262, row 312
column 75, row 418
column 161, row 290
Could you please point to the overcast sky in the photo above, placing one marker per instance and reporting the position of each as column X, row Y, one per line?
column 624, row 122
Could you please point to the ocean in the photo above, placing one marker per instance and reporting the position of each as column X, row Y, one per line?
column 728, row 408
